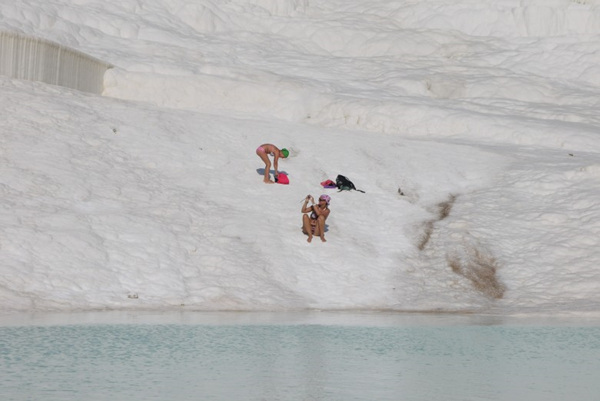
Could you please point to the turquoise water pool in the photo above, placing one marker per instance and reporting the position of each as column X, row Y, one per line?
column 256, row 358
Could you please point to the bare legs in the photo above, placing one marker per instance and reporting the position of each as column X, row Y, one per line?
column 306, row 227
column 319, row 228
column 267, row 162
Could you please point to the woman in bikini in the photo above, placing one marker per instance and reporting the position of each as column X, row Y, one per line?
column 266, row 149
column 314, row 224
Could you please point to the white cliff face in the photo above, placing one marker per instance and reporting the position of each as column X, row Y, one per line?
column 472, row 127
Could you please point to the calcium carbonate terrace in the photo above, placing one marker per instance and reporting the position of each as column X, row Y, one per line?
column 36, row 59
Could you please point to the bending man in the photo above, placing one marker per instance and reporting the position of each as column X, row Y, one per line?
column 264, row 151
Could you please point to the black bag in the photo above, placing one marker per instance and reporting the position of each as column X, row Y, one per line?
column 344, row 184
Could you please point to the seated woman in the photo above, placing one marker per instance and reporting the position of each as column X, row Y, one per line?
column 314, row 224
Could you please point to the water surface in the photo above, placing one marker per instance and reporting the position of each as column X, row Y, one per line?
column 258, row 356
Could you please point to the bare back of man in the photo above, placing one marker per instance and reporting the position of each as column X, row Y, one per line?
column 264, row 151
